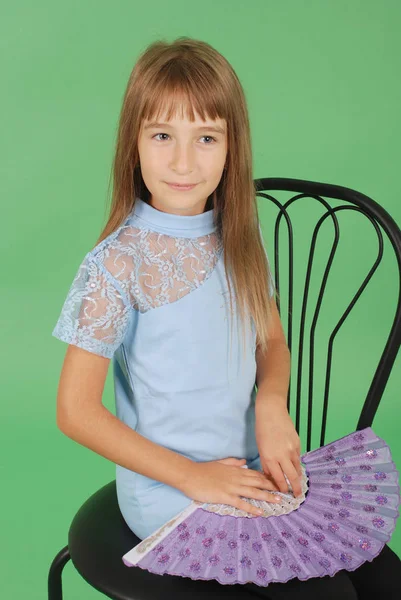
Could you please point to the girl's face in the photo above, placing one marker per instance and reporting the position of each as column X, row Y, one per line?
column 185, row 153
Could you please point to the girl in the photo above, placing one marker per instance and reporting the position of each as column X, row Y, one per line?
column 179, row 266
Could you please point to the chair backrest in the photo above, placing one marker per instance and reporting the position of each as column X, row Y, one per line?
column 380, row 221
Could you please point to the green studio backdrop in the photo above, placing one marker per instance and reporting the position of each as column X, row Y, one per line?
column 323, row 90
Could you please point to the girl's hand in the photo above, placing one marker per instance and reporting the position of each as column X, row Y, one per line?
column 279, row 445
column 224, row 481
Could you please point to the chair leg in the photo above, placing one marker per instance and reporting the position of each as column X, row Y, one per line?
column 54, row 584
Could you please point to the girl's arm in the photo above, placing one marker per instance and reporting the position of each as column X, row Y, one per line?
column 278, row 442
column 82, row 417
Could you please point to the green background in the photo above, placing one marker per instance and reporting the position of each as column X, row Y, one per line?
column 323, row 89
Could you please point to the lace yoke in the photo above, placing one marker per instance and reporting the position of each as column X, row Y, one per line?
column 134, row 268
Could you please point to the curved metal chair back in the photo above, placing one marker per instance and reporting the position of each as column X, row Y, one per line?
column 381, row 221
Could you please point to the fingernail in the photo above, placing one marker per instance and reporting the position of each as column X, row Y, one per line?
column 277, row 498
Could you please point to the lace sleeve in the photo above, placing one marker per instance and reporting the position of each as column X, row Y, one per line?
column 271, row 284
column 96, row 314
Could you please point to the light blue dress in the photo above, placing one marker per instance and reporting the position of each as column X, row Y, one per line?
column 153, row 297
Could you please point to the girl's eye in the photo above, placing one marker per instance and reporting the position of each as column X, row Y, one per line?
column 204, row 136
column 160, row 134
column 210, row 137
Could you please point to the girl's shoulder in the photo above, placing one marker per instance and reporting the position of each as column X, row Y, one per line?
column 117, row 239
column 117, row 255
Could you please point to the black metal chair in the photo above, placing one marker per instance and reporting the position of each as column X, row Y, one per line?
column 98, row 536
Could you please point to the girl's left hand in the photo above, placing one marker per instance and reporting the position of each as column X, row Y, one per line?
column 279, row 445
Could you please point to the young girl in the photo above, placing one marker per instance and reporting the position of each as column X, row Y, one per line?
column 179, row 269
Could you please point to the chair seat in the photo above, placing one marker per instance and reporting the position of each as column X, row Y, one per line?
column 98, row 538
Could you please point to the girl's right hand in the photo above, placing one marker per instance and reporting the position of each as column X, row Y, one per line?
column 224, row 481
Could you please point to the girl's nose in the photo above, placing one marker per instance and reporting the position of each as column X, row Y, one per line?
column 183, row 158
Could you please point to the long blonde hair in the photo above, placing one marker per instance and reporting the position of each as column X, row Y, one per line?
column 193, row 75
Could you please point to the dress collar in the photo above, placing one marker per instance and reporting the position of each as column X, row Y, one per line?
column 173, row 224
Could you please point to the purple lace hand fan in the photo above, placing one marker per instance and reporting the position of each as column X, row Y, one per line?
column 347, row 512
